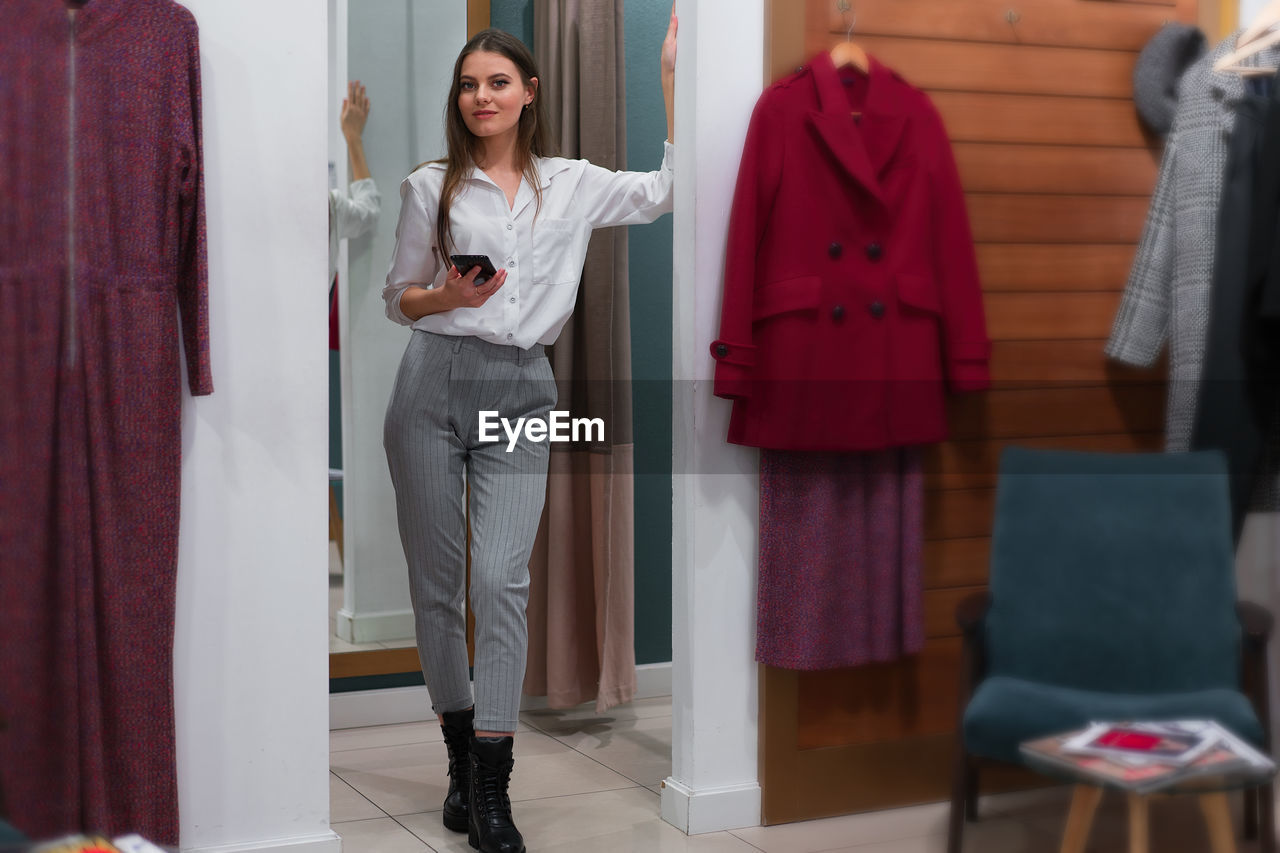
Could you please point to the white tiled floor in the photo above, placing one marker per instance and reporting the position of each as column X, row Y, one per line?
column 587, row 783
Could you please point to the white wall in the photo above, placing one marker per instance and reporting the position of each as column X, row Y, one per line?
column 1249, row 9
column 403, row 51
column 714, row 781
column 251, row 653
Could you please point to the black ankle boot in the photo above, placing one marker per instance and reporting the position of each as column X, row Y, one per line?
column 491, row 828
column 458, row 728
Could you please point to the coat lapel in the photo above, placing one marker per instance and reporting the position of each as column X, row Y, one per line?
column 863, row 148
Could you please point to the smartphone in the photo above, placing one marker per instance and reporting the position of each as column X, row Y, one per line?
column 464, row 263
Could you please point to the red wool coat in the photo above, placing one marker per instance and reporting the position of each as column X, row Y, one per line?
column 851, row 295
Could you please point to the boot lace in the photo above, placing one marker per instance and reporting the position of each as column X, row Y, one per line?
column 455, row 742
column 492, row 784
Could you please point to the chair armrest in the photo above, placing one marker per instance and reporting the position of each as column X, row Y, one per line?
column 1255, row 621
column 971, row 612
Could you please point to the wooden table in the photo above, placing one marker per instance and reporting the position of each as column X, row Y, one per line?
column 1084, row 803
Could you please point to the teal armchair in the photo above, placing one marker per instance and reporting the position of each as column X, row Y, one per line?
column 1111, row 596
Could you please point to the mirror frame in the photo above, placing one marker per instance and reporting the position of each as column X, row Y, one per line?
column 375, row 662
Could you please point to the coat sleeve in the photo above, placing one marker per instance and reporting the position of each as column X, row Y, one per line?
column 966, row 347
column 1142, row 322
column 759, row 176
column 193, row 270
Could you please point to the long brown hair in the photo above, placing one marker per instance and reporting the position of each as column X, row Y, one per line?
column 533, row 138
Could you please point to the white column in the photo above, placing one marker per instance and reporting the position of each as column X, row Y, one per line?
column 714, row 783
column 251, row 655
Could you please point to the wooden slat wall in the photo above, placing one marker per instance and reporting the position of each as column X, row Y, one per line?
column 1058, row 174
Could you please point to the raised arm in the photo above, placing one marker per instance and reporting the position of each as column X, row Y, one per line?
column 669, row 74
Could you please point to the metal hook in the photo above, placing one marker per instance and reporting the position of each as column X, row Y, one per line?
column 1013, row 18
column 843, row 6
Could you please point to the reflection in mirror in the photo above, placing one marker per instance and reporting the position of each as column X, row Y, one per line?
column 402, row 51
column 399, row 50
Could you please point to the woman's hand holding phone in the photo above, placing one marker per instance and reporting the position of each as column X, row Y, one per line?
column 461, row 291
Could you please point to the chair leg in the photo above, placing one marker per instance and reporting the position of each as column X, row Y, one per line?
column 971, row 791
column 959, row 798
column 1251, row 800
column 1267, row 819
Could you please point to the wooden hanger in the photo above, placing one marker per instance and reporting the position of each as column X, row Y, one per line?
column 1253, row 41
column 1267, row 18
column 849, row 53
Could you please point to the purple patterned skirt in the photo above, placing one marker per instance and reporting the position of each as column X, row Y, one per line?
column 841, row 542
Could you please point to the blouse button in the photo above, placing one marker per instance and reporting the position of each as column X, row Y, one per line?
column 510, row 336
column 513, row 299
column 509, row 226
column 511, row 263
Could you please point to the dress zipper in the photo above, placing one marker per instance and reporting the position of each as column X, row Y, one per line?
column 70, row 350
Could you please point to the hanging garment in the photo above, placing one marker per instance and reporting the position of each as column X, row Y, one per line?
column 1225, row 417
column 102, row 244
column 1261, row 335
column 851, row 285
column 841, row 554
column 851, row 296
column 1167, row 295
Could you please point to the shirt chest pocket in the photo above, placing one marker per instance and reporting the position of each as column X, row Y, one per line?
column 559, row 247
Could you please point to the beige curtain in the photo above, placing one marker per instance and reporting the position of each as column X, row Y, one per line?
column 582, row 598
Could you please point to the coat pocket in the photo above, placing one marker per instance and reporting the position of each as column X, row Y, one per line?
column 917, row 292
column 558, row 250
column 782, row 297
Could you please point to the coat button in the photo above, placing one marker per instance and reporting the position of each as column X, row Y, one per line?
column 876, row 308
column 835, row 250
column 837, row 312
column 721, row 350
column 874, row 251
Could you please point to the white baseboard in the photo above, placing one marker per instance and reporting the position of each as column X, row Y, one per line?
column 326, row 842
column 413, row 704
column 712, row 810
column 379, row 707
column 381, row 627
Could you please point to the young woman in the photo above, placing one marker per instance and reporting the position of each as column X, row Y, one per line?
column 477, row 346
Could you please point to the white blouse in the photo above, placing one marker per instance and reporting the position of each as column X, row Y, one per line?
column 543, row 256
column 351, row 216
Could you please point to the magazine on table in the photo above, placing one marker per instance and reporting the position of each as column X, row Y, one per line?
column 132, row 843
column 1146, row 756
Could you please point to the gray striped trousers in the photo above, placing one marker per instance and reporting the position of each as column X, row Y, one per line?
column 431, row 436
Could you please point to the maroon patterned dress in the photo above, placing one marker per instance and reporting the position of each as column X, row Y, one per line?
column 101, row 245
column 841, row 555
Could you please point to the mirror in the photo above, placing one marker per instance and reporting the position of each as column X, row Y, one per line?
column 403, row 51
column 399, row 50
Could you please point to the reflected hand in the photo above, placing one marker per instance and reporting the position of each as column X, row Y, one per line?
column 461, row 291
column 669, row 47
column 355, row 110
